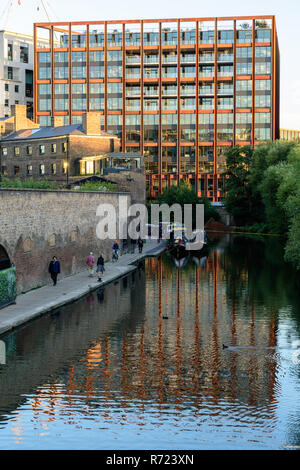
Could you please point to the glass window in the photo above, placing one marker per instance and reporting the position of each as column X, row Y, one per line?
column 61, row 97
column 16, row 170
column 17, row 151
column 44, row 65
column 133, row 126
column 133, row 39
column 243, row 127
column 206, row 160
column 24, row 53
column 42, row 149
column 97, row 64
column 79, row 64
column 263, row 34
column 244, row 36
column 29, row 150
column 188, row 127
column 10, row 73
column 225, row 36
column 169, row 159
column 42, row 169
column 53, row 168
column 207, row 37
column 4, row 151
column 187, row 159
column 45, row 121
column 114, row 125
column 114, row 60
column 151, row 159
column 96, row 38
column 206, row 124
column 10, row 51
column 61, row 65
column 225, row 127
column 29, row 170
column 169, row 127
column 97, row 96
column 79, row 96
column 151, row 127
column 53, row 148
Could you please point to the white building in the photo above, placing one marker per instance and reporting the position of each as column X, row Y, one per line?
column 16, row 72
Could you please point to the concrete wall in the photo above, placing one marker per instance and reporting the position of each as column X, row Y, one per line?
column 38, row 224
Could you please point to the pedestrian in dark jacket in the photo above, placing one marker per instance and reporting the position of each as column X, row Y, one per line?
column 54, row 269
column 100, row 266
column 140, row 245
column 132, row 245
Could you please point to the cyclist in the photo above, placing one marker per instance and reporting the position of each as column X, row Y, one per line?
column 115, row 249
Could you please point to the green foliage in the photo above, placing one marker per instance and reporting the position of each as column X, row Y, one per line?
column 183, row 194
column 8, row 286
column 255, row 228
column 263, row 191
column 240, row 200
column 96, row 186
column 28, row 183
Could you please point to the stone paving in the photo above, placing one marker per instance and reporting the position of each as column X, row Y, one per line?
column 38, row 302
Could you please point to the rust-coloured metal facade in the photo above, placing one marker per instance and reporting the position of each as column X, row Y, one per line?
column 181, row 91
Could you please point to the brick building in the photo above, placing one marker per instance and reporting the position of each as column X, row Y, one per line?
column 17, row 121
column 179, row 91
column 56, row 152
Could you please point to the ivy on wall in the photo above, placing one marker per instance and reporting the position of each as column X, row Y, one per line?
column 8, row 286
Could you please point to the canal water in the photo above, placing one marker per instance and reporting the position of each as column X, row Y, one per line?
column 139, row 364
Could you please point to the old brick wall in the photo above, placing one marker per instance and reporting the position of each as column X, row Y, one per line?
column 131, row 181
column 87, row 146
column 38, row 224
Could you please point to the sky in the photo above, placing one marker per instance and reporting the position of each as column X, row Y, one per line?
column 24, row 13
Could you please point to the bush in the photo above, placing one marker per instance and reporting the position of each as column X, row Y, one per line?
column 28, row 183
column 96, row 186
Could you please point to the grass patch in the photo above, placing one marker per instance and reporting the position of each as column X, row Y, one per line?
column 28, row 183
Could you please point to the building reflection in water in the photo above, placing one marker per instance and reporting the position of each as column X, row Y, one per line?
column 154, row 339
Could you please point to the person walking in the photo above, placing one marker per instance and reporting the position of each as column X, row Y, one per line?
column 90, row 261
column 100, row 267
column 132, row 245
column 115, row 249
column 140, row 244
column 54, row 269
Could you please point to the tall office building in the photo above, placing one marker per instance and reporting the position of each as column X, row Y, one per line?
column 178, row 91
column 16, row 72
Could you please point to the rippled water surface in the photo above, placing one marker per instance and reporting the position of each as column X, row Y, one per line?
column 140, row 364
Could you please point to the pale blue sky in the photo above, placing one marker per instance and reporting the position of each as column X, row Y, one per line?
column 287, row 18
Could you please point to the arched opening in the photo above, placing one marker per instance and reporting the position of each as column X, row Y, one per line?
column 4, row 259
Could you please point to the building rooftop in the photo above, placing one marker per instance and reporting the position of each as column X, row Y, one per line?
column 48, row 132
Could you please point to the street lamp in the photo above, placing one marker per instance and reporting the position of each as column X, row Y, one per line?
column 66, row 168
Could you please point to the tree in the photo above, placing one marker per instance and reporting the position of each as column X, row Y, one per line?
column 183, row 194
column 239, row 198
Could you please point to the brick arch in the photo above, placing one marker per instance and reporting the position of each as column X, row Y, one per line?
column 4, row 258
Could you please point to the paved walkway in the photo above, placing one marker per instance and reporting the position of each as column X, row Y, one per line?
column 37, row 302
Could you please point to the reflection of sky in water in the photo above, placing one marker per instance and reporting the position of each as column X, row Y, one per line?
column 108, row 372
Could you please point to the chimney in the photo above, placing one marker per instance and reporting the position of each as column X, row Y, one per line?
column 91, row 123
column 20, row 120
column 18, row 112
column 57, row 121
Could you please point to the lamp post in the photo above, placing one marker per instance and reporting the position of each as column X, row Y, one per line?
column 66, row 168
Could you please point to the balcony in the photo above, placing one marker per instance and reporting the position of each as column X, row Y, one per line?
column 133, row 60
column 169, row 59
column 151, row 59
column 188, row 59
